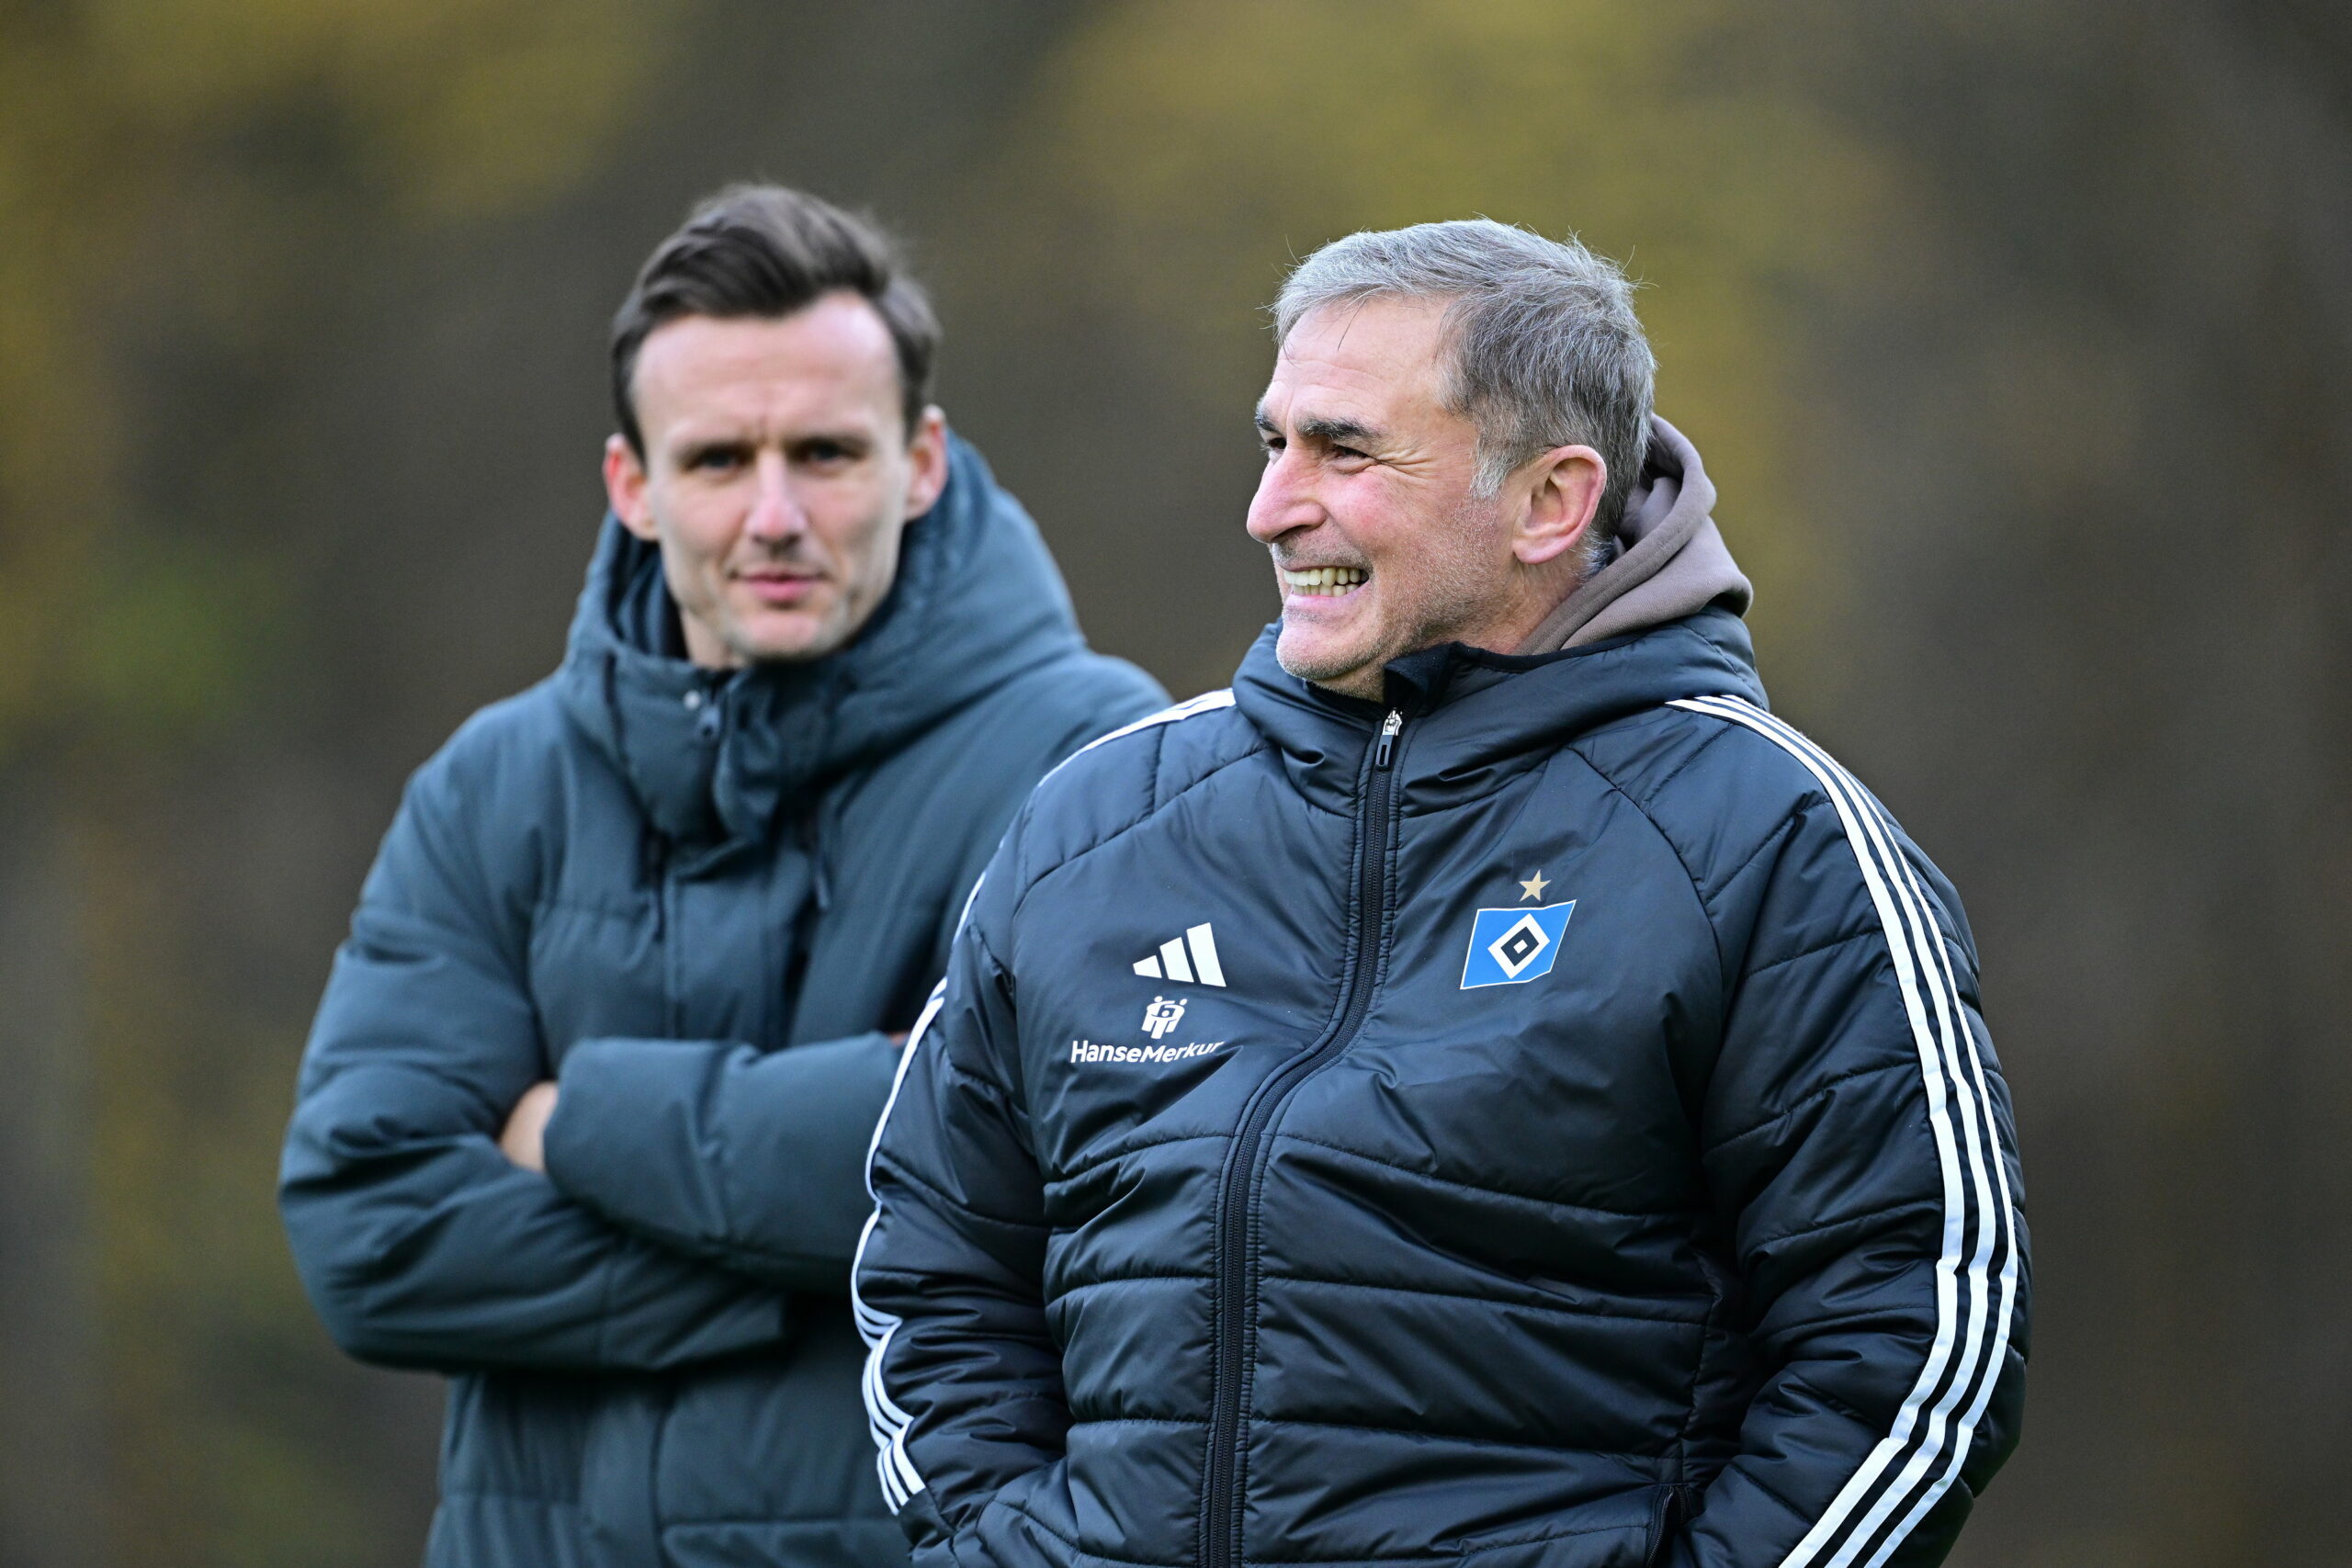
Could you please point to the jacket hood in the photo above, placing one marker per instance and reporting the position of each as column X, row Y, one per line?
column 1668, row 560
column 1660, row 621
column 713, row 754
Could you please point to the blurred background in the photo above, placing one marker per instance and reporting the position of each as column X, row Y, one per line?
column 2017, row 333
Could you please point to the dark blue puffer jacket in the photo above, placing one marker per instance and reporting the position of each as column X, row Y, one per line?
column 1545, row 1122
column 698, row 898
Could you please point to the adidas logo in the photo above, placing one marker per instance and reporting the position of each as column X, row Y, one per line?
column 1191, row 956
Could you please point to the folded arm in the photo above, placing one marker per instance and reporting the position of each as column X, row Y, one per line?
column 752, row 1161
column 421, row 1243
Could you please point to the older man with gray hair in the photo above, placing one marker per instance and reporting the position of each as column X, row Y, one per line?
column 1481, row 1090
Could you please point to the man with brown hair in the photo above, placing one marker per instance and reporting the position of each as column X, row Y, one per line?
column 582, row 1114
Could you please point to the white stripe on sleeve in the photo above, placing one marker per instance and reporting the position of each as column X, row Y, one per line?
column 885, row 1419
column 1901, row 1478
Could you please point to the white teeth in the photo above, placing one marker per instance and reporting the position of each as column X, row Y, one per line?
column 1322, row 582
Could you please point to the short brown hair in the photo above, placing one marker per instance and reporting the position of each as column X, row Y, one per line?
column 762, row 250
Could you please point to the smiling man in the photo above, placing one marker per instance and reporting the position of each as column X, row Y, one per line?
column 582, row 1114
column 1483, row 1090
column 1363, row 392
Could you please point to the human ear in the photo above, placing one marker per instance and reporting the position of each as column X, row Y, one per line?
column 625, row 487
column 927, row 456
column 1563, row 490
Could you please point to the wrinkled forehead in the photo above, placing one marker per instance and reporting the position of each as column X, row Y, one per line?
column 1379, row 361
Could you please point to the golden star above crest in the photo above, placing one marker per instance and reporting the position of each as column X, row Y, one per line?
column 1535, row 884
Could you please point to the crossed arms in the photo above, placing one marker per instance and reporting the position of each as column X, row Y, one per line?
column 690, row 1185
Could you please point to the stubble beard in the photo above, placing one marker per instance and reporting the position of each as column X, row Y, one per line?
column 1453, row 590
column 844, row 617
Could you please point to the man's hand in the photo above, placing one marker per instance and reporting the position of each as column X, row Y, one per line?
column 526, row 1127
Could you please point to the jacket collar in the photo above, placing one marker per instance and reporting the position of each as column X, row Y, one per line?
column 1476, row 719
column 713, row 756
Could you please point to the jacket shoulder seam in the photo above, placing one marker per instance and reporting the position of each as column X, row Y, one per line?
column 1151, row 811
column 1698, row 894
column 1705, row 745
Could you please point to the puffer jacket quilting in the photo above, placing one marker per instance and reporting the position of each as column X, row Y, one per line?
column 1587, row 1152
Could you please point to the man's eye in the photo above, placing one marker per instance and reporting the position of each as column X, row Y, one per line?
column 715, row 459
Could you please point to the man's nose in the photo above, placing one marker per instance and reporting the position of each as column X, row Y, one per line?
column 775, row 510
column 1285, row 501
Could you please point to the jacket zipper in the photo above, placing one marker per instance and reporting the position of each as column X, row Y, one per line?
column 1220, row 1508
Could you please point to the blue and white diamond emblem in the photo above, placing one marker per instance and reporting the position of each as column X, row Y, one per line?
column 1508, row 947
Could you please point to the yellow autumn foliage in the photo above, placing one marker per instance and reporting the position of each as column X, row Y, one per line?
column 130, row 133
column 1196, row 147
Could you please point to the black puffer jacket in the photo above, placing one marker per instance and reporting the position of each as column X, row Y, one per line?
column 1543, row 1121
column 698, row 898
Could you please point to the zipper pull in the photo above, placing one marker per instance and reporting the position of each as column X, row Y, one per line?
column 1389, row 728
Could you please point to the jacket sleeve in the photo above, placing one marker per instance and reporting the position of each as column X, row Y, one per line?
column 754, row 1161
column 964, row 1385
column 1858, row 1143
column 419, row 1242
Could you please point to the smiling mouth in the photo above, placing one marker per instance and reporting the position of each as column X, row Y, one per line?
column 1324, row 581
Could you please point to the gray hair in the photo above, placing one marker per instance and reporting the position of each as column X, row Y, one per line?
column 1546, row 350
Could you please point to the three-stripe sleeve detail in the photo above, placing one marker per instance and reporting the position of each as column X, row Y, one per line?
column 884, row 1420
column 1976, row 1274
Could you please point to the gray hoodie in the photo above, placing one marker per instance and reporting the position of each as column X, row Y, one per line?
column 1667, row 561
